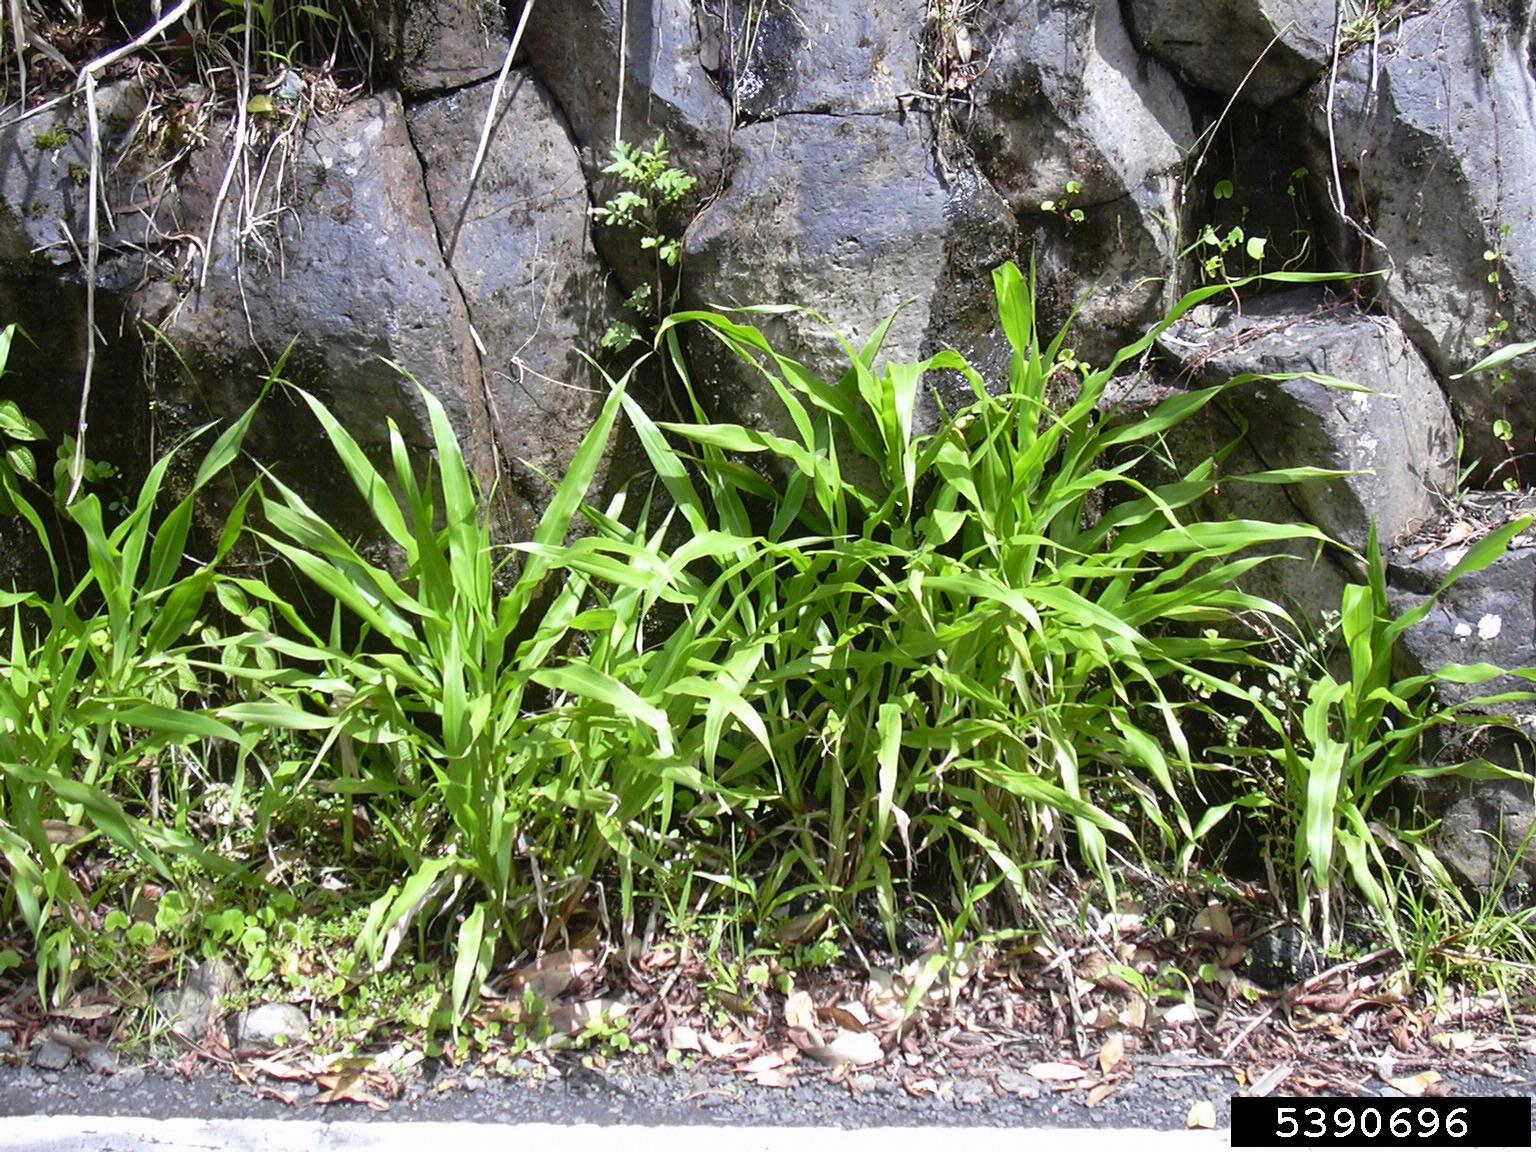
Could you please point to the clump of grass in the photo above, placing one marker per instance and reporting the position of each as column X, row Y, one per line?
column 1360, row 737
column 97, row 690
column 962, row 666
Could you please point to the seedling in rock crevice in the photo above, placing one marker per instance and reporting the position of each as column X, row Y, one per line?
column 651, row 186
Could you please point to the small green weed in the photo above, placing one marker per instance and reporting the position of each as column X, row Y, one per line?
column 650, row 187
column 53, row 139
column 18, row 464
column 1062, row 206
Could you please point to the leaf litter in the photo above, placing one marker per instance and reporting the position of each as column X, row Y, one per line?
column 1164, row 997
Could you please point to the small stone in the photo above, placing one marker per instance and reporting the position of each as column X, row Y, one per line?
column 972, row 1091
column 52, row 1056
column 126, row 1079
column 27, row 1080
column 7, row 1042
column 473, row 1083
column 271, row 1026
column 100, row 1059
column 192, row 1009
column 1020, row 1085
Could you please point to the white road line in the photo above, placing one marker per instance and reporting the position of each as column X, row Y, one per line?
column 137, row 1134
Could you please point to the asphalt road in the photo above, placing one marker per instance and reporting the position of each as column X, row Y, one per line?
column 154, row 1110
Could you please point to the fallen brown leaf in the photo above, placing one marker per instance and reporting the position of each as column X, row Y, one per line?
column 574, row 1018
column 63, row 832
column 853, row 1017
column 1202, row 1114
column 802, row 929
column 279, row 1070
column 772, row 1078
column 1270, row 1080
column 724, row 1049
column 85, row 1011
column 683, row 1038
column 551, row 974
column 776, row 1058
column 660, row 957
column 848, row 1047
column 1101, row 1092
column 1093, row 966
column 1214, row 919
column 1461, row 1042
column 1111, row 1052
column 1057, row 1071
column 1419, row 1084
column 347, row 1088
column 1184, row 1012
column 1135, row 1015
column 771, row 1069
column 800, row 1012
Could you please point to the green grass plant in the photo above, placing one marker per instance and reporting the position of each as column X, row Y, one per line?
column 97, row 685
column 1364, row 734
column 881, row 650
column 963, row 663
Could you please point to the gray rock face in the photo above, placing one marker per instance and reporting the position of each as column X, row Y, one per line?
column 52, row 1056
column 574, row 47
column 519, row 247
column 1485, row 617
column 845, row 212
column 817, row 56
column 1264, row 50
column 269, row 1027
column 1298, row 576
column 1485, row 840
column 433, row 45
column 354, row 277
column 1397, row 438
column 1439, row 129
column 1066, row 99
column 42, row 181
column 43, row 230
column 100, row 1059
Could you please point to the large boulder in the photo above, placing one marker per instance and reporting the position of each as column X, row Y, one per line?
column 44, row 229
column 1066, row 102
column 1395, row 439
column 434, row 45
column 574, row 46
column 1259, row 50
column 1486, row 840
column 519, row 248
column 1394, row 436
column 1436, row 128
column 1484, row 617
column 817, row 56
column 344, row 263
column 846, row 214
